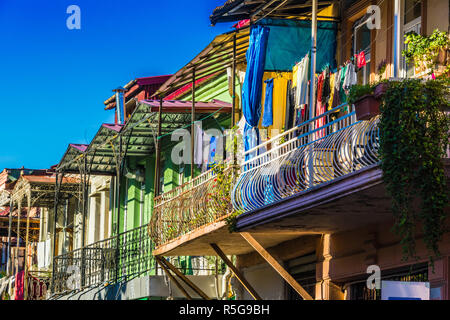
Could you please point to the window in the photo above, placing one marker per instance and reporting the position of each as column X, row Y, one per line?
column 412, row 22
column 362, row 41
column 303, row 270
column 413, row 10
column 414, row 273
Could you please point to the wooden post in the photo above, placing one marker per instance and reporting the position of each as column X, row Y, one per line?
column 27, row 235
column 11, row 209
column 278, row 268
column 19, row 206
column 193, row 124
column 186, row 280
column 158, row 150
column 179, row 286
column 55, row 219
column 236, row 272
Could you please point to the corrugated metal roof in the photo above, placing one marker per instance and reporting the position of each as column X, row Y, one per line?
column 179, row 106
column 214, row 59
column 235, row 10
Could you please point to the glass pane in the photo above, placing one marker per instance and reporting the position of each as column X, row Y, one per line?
column 362, row 39
column 413, row 10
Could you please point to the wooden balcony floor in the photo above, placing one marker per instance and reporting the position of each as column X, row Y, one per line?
column 197, row 242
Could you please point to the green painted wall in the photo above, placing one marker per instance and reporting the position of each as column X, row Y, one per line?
column 130, row 189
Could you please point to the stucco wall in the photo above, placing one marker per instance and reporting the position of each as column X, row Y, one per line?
column 437, row 17
column 265, row 280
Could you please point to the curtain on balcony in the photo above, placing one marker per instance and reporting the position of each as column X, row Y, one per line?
column 252, row 87
column 289, row 41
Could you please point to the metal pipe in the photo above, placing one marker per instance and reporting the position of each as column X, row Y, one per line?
column 312, row 103
column 19, row 206
column 397, row 18
column 158, row 150
column 233, row 83
column 11, row 209
column 25, row 275
column 55, row 215
column 193, row 124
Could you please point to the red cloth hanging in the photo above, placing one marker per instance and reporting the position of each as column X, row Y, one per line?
column 320, row 107
column 361, row 59
column 19, row 286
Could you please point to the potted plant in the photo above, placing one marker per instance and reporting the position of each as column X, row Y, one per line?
column 428, row 52
column 366, row 104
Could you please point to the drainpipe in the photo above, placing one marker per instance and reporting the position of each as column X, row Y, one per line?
column 397, row 46
column 120, row 104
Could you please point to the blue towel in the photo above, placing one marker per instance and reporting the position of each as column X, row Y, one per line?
column 268, row 104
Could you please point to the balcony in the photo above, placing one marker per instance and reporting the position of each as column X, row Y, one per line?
column 116, row 259
column 202, row 201
column 318, row 151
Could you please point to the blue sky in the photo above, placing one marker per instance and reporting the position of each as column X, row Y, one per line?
column 53, row 80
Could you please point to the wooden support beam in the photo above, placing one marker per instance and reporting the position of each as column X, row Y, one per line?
column 186, row 280
column 179, row 286
column 236, row 272
column 278, row 267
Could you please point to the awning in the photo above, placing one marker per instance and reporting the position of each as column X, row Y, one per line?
column 179, row 106
column 41, row 190
column 134, row 87
column 235, row 10
column 215, row 58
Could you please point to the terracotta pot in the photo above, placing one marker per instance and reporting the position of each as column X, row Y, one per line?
column 380, row 90
column 442, row 57
column 367, row 107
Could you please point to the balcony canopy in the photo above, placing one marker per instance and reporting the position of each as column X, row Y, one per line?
column 214, row 59
column 235, row 10
column 135, row 138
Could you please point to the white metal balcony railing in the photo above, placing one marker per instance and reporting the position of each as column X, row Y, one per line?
column 317, row 151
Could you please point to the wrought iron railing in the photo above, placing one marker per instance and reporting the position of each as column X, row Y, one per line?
column 109, row 261
column 201, row 201
column 317, row 151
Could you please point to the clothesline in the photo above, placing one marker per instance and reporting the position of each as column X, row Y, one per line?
column 191, row 123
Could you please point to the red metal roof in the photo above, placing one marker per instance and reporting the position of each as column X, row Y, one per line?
column 146, row 85
column 4, row 213
column 79, row 147
column 183, row 90
column 152, row 80
column 48, row 179
column 177, row 106
column 112, row 126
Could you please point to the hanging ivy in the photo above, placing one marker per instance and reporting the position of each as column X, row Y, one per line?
column 414, row 134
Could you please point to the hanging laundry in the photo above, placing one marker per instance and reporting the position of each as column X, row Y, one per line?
column 212, row 151
column 350, row 77
column 198, row 143
column 332, row 91
column 302, row 82
column 278, row 100
column 361, row 60
column 290, row 107
column 294, row 76
column 320, row 108
column 268, row 104
column 19, row 286
column 206, row 145
column 326, row 90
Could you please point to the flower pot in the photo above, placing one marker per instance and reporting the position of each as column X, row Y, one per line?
column 442, row 57
column 380, row 90
column 367, row 107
